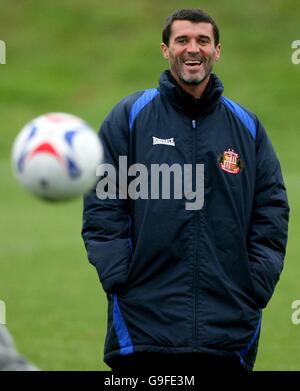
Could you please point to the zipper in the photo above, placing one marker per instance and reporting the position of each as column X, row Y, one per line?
column 196, row 272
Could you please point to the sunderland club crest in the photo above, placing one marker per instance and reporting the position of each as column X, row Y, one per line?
column 230, row 161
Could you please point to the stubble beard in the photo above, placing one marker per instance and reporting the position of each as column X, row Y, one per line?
column 192, row 80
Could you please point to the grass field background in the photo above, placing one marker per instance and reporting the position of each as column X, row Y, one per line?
column 82, row 57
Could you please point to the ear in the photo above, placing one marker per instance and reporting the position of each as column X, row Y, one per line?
column 165, row 50
column 218, row 52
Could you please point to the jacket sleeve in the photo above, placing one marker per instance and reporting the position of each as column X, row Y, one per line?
column 106, row 222
column 267, row 236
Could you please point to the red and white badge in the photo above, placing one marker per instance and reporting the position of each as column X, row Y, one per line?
column 230, row 161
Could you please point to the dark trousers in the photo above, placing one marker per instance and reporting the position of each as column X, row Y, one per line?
column 180, row 363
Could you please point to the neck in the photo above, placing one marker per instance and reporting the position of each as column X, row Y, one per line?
column 195, row 90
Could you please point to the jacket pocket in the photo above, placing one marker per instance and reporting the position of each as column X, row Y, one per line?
column 265, row 275
column 111, row 259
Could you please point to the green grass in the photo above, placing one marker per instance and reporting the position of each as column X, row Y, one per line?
column 82, row 57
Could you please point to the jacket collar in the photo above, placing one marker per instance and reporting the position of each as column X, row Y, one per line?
column 184, row 101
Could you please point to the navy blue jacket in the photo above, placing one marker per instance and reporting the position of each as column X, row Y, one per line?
column 181, row 280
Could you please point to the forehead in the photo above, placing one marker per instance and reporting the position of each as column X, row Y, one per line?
column 188, row 28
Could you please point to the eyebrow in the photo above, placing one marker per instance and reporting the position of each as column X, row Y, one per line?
column 201, row 36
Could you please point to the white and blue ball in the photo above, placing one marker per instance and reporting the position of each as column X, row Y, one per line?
column 55, row 156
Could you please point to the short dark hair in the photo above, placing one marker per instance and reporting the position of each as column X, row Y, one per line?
column 194, row 15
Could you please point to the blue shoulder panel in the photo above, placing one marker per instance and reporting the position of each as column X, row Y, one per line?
column 242, row 114
column 125, row 342
column 139, row 104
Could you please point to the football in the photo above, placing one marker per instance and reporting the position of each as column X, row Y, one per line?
column 55, row 156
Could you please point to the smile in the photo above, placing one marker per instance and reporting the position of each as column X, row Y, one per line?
column 192, row 63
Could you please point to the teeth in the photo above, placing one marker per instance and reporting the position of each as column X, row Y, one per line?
column 193, row 62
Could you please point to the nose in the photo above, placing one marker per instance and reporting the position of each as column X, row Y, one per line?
column 193, row 46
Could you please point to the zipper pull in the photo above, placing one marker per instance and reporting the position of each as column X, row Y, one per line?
column 194, row 124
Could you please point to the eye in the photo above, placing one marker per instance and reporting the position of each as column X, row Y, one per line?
column 204, row 41
column 181, row 40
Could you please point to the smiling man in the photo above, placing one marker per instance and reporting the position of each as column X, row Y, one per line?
column 186, row 287
column 192, row 49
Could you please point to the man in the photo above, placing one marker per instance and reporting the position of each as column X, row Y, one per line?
column 186, row 282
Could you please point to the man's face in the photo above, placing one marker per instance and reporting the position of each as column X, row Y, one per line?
column 191, row 51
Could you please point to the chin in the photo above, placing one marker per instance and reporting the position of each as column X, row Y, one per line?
column 193, row 81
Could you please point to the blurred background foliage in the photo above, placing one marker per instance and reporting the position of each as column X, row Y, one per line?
column 82, row 57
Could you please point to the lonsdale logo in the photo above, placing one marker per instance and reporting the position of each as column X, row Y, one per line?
column 163, row 141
